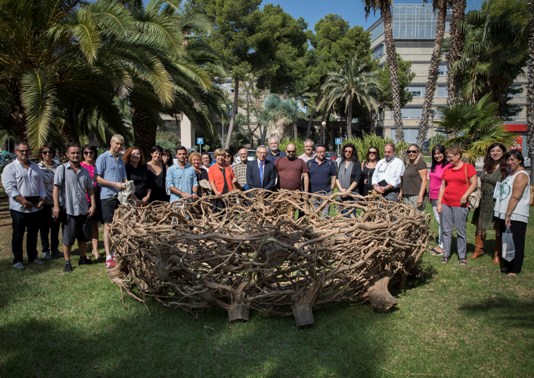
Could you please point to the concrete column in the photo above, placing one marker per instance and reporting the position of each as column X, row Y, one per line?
column 187, row 132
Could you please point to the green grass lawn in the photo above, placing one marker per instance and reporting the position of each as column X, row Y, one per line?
column 455, row 321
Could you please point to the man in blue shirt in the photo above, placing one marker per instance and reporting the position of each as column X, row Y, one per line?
column 181, row 180
column 322, row 175
column 274, row 152
column 111, row 176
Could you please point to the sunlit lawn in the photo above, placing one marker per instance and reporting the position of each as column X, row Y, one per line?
column 462, row 321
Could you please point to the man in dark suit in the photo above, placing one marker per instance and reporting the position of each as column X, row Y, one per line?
column 261, row 173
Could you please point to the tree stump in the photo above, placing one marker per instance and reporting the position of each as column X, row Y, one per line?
column 380, row 297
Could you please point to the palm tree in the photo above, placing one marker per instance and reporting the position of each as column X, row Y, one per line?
column 353, row 82
column 456, row 47
column 49, row 65
column 279, row 111
column 441, row 7
column 391, row 57
column 474, row 126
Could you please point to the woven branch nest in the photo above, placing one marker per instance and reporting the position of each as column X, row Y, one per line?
column 258, row 254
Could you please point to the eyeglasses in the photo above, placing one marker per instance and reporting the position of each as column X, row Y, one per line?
column 290, row 152
column 226, row 155
column 348, row 151
column 24, row 151
column 88, row 152
column 47, row 152
column 412, row 151
column 308, row 146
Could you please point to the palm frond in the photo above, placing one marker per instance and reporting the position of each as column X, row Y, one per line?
column 38, row 96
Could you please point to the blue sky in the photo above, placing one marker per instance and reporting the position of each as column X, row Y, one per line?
column 350, row 10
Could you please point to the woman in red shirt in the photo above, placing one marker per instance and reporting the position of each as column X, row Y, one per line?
column 459, row 181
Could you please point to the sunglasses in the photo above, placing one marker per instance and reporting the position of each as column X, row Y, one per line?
column 412, row 151
column 372, row 152
column 47, row 152
column 290, row 152
column 24, row 151
column 88, row 152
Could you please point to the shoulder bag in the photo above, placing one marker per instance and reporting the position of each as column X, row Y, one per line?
column 473, row 201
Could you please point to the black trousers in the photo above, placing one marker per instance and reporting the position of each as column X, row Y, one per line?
column 519, row 231
column 49, row 225
column 24, row 223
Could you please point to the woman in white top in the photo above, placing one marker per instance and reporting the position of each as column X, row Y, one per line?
column 512, row 208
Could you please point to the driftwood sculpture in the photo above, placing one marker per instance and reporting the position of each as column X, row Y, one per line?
column 259, row 253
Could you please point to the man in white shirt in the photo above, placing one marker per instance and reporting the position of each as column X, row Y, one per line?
column 387, row 176
column 309, row 153
column 23, row 182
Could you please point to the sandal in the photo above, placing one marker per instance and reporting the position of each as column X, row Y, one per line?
column 463, row 262
column 436, row 251
column 444, row 260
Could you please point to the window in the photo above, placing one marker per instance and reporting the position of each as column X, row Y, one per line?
column 411, row 113
column 378, row 51
column 441, row 91
column 417, row 91
column 442, row 70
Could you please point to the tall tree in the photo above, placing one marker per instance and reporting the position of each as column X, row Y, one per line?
column 235, row 23
column 384, row 95
column 456, row 47
column 391, row 57
column 441, row 7
column 354, row 82
column 495, row 53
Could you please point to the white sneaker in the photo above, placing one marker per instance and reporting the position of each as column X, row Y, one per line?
column 18, row 266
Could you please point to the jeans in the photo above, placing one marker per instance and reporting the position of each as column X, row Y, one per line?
column 437, row 217
column 29, row 223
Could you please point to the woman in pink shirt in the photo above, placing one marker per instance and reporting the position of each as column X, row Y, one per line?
column 88, row 162
column 439, row 164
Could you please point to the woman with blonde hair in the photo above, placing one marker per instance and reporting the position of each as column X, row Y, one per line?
column 195, row 159
column 458, row 182
column 415, row 178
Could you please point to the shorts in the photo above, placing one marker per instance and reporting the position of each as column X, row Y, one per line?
column 108, row 208
column 75, row 228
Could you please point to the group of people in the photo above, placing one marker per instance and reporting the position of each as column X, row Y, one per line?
column 85, row 190
column 504, row 202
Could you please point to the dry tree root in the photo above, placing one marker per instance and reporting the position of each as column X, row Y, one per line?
column 257, row 254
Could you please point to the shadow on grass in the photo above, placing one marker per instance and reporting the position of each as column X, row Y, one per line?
column 505, row 312
column 170, row 343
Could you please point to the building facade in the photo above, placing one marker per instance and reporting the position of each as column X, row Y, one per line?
column 414, row 29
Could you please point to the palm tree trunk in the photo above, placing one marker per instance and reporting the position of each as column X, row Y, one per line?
column 233, row 115
column 530, row 90
column 432, row 80
column 456, row 47
column 349, row 120
column 391, row 57
column 310, row 122
column 144, row 130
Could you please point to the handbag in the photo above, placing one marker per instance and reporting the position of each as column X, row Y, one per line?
column 473, row 201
